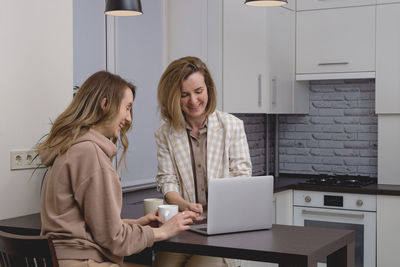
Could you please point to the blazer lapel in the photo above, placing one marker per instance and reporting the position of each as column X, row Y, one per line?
column 215, row 146
column 181, row 151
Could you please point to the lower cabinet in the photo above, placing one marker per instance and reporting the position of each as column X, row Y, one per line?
column 388, row 147
column 284, row 207
column 283, row 214
column 388, row 235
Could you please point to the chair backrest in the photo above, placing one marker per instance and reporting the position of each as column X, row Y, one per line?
column 23, row 250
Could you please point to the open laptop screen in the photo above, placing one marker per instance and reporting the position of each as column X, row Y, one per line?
column 238, row 204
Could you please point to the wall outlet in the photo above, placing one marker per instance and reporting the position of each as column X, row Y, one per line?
column 24, row 159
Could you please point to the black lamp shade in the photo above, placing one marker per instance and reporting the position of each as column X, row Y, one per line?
column 123, row 7
column 265, row 2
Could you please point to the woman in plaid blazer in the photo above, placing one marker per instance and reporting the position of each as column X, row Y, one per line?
column 196, row 143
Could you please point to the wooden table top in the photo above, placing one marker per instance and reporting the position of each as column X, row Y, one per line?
column 283, row 243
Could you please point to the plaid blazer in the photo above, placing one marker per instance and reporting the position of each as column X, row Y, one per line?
column 227, row 154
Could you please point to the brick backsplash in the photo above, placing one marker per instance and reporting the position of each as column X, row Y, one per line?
column 259, row 129
column 338, row 136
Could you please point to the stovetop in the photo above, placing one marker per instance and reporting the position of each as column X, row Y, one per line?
column 345, row 181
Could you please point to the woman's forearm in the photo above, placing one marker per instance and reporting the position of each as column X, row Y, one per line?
column 174, row 198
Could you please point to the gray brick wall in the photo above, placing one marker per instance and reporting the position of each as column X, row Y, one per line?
column 338, row 136
column 260, row 128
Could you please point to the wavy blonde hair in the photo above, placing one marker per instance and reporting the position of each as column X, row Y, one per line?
column 169, row 89
column 85, row 111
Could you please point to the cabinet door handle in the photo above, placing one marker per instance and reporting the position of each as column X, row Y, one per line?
column 332, row 63
column 259, row 91
column 274, row 92
column 334, row 214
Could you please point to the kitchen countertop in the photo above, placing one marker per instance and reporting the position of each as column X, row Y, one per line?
column 289, row 181
column 285, row 182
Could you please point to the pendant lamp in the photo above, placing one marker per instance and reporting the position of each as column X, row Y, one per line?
column 266, row 2
column 123, row 7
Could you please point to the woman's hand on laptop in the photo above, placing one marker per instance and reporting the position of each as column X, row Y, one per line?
column 180, row 222
column 198, row 208
column 195, row 207
column 174, row 198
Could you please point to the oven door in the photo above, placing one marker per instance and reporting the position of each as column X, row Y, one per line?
column 363, row 223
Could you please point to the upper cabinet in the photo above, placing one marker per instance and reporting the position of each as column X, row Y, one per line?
column 245, row 78
column 387, row 1
column 335, row 43
column 249, row 51
column 187, row 29
column 388, row 59
column 194, row 28
column 285, row 94
column 258, row 60
column 321, row 4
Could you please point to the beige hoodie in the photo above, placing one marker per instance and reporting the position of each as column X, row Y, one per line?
column 82, row 200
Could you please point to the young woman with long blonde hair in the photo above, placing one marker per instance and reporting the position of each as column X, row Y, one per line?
column 82, row 196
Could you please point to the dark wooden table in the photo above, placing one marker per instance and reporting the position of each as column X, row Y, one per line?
column 283, row 244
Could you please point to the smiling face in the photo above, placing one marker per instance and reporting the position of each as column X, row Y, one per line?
column 194, row 98
column 123, row 117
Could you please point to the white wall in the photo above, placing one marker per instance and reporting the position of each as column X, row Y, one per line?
column 36, row 85
column 89, row 39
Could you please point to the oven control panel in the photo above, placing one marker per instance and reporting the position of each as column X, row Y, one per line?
column 334, row 200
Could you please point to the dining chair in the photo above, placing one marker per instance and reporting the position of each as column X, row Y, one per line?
column 26, row 251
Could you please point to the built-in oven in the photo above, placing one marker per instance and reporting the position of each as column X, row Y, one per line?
column 341, row 211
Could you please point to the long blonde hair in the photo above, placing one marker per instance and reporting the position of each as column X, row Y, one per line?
column 85, row 111
column 169, row 89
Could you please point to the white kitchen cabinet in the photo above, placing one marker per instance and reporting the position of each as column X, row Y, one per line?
column 284, row 207
column 194, row 28
column 387, row 1
column 285, row 94
column 388, row 149
column 245, row 78
column 388, row 234
column 186, row 32
column 290, row 5
column 249, row 51
column 258, row 60
column 387, row 83
column 337, row 43
column 318, row 4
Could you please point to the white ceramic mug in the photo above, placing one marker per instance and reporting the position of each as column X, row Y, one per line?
column 151, row 204
column 166, row 212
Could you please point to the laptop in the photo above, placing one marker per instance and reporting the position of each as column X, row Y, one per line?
column 238, row 204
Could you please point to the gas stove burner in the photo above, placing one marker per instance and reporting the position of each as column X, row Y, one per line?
column 349, row 181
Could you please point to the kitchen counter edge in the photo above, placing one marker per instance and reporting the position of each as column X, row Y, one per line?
column 286, row 183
